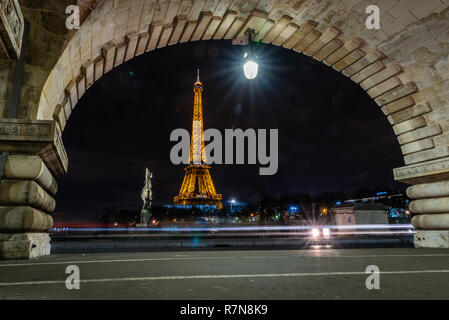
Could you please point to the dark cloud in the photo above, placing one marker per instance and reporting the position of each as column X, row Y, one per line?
column 332, row 136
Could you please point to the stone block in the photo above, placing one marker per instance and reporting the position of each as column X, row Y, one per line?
column 211, row 28
column 188, row 31
column 43, row 137
column 180, row 23
column 429, row 206
column 348, row 47
column 422, row 156
column 408, row 113
column 267, row 26
column 155, row 32
column 422, row 133
column 165, row 35
column 438, row 221
column 255, row 21
column 328, row 49
column 235, row 27
column 120, row 54
column 428, row 172
column 329, row 35
column 350, row 59
column 99, row 67
column 24, row 245
column 25, row 193
column 416, row 146
column 409, row 125
column 226, row 23
column 384, row 87
column 24, row 219
column 431, row 239
column 131, row 45
column 368, row 72
column 381, row 76
column 363, row 63
column 27, row 167
column 285, row 34
column 304, row 30
column 307, row 41
column 109, row 50
column 396, row 94
column 201, row 27
column 429, row 190
column 398, row 105
column 277, row 29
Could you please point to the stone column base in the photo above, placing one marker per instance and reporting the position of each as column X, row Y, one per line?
column 24, row 245
column 432, row 239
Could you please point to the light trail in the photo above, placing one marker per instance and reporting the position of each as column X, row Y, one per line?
column 251, row 228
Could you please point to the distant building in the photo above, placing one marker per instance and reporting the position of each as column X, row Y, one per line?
column 359, row 213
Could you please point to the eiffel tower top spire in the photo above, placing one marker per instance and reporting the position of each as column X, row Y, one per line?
column 198, row 83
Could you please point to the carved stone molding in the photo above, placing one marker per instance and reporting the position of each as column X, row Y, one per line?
column 43, row 137
column 11, row 29
column 436, row 170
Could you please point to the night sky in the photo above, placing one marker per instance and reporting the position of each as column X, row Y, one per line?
column 332, row 136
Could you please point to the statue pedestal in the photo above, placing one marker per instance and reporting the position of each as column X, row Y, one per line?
column 141, row 225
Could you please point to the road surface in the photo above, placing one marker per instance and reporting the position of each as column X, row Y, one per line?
column 406, row 273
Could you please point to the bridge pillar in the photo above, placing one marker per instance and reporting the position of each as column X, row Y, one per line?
column 430, row 205
column 31, row 154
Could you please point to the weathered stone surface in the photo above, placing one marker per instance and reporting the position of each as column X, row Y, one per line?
column 304, row 30
column 396, row 94
column 201, row 26
column 409, row 125
column 422, row 156
column 329, row 35
column 363, row 63
column 225, row 24
column 416, row 146
column 398, row 105
column 419, row 134
column 431, row 221
column 368, row 72
column 349, row 60
column 42, row 137
column 429, row 190
column 24, row 219
column 26, row 167
column 307, row 41
column 431, row 239
column 24, row 245
column 427, row 206
column 11, row 29
column 348, row 47
column 409, row 113
column 328, row 49
column 25, row 193
column 436, row 170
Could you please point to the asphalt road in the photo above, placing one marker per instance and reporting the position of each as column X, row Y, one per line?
column 405, row 273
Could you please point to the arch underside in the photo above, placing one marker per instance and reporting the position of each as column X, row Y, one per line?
column 387, row 63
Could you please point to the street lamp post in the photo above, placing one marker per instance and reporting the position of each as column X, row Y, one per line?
column 250, row 65
column 231, row 202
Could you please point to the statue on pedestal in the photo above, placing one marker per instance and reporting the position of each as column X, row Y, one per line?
column 147, row 198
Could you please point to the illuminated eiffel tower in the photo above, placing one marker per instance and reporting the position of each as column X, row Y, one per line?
column 197, row 187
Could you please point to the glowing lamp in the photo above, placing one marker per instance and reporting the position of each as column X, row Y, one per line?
column 250, row 69
column 315, row 233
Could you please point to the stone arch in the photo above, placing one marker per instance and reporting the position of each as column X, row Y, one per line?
column 404, row 67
